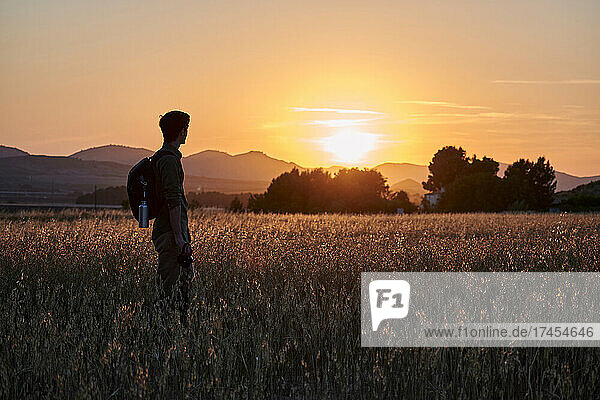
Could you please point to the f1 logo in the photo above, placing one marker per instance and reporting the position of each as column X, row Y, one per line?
column 389, row 300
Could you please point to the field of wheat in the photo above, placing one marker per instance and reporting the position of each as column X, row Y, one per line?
column 275, row 308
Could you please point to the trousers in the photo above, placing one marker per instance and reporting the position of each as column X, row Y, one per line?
column 170, row 275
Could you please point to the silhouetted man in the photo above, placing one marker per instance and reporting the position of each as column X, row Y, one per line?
column 170, row 233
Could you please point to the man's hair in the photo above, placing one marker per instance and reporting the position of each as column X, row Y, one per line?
column 172, row 123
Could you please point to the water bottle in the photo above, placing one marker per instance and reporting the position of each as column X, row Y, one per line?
column 143, row 214
column 143, row 210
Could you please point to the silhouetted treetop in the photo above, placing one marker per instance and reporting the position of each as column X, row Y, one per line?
column 472, row 184
column 532, row 185
column 447, row 164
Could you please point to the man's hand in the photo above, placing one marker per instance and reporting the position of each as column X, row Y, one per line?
column 183, row 247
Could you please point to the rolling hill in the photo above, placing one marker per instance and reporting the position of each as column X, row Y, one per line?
column 396, row 172
column 115, row 153
column 413, row 189
column 6, row 151
column 253, row 166
column 588, row 189
column 59, row 173
column 250, row 166
column 568, row 182
column 70, row 174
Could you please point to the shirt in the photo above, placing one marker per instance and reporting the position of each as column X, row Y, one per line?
column 170, row 188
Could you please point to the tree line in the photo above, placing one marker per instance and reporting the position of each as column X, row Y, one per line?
column 471, row 184
column 317, row 191
column 462, row 184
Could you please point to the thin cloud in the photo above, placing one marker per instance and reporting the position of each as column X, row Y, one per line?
column 491, row 115
column 563, row 82
column 443, row 104
column 330, row 123
column 457, row 118
column 340, row 123
column 335, row 110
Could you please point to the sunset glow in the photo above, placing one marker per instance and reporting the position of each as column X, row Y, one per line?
column 280, row 76
column 349, row 146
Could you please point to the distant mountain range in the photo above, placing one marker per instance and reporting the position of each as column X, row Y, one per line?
column 413, row 189
column 115, row 153
column 253, row 165
column 591, row 189
column 11, row 152
column 208, row 170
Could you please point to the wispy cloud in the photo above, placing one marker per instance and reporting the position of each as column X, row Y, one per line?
column 335, row 110
column 443, row 104
column 461, row 118
column 491, row 115
column 341, row 123
column 330, row 123
column 563, row 82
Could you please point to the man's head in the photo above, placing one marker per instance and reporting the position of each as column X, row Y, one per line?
column 174, row 126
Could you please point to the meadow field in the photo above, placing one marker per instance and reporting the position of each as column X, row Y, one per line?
column 275, row 308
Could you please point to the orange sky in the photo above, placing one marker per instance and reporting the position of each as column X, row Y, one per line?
column 502, row 79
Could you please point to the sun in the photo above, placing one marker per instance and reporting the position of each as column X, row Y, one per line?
column 349, row 146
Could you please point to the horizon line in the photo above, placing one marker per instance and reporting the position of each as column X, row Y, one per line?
column 274, row 158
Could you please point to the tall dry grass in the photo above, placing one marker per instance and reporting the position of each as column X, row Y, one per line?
column 275, row 310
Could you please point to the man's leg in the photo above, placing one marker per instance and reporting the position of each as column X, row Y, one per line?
column 169, row 273
column 168, row 268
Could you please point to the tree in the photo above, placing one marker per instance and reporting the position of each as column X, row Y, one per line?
column 447, row 164
column 470, row 184
column 359, row 190
column 236, row 205
column 400, row 200
column 319, row 187
column 256, row 203
column 479, row 191
column 285, row 193
column 486, row 166
column 530, row 185
column 295, row 191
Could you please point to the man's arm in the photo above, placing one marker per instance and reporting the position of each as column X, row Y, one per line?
column 175, row 219
column 174, row 197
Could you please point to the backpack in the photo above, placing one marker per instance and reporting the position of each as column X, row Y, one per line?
column 142, row 184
